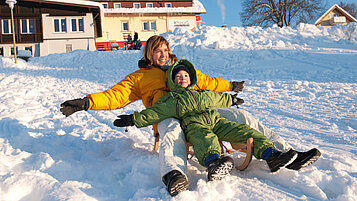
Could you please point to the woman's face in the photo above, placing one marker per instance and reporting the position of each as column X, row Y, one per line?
column 161, row 55
column 183, row 78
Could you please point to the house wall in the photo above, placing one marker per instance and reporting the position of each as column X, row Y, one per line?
column 54, row 42
column 113, row 28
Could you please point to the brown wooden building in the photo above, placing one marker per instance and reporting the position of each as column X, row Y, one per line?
column 50, row 26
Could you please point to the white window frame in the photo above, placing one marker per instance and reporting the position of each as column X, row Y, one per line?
column 122, row 25
column 135, row 4
column 105, row 5
column 9, row 26
column 77, row 24
column 149, row 5
column 149, row 23
column 60, row 25
column 168, row 5
column 27, row 26
column 116, row 4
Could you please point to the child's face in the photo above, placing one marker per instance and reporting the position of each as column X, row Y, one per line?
column 183, row 78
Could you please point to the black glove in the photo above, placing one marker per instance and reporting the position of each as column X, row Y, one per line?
column 124, row 120
column 237, row 86
column 236, row 101
column 71, row 106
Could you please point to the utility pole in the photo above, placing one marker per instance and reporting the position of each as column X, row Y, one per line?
column 11, row 5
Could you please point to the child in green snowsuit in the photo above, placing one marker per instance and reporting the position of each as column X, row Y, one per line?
column 202, row 125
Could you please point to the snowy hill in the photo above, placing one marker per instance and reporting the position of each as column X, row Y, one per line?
column 300, row 82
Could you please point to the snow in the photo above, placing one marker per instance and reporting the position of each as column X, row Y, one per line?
column 302, row 83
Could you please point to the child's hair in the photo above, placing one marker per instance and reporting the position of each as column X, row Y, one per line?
column 151, row 44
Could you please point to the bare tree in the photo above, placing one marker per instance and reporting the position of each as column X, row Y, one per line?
column 351, row 8
column 281, row 12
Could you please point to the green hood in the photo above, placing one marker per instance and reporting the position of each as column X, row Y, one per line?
column 193, row 76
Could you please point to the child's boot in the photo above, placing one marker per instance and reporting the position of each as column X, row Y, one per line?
column 219, row 167
column 175, row 182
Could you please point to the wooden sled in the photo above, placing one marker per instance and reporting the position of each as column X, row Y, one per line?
column 247, row 148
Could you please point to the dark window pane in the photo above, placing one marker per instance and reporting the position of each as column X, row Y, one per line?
column 5, row 26
column 63, row 25
column 81, row 24
column 24, row 26
column 125, row 26
column 153, row 25
column 74, row 24
column 32, row 25
column 56, row 24
column 146, row 26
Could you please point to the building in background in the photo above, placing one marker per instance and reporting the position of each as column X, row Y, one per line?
column 146, row 17
column 50, row 26
column 335, row 15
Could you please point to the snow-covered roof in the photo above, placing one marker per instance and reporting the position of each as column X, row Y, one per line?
column 196, row 7
column 340, row 9
column 83, row 2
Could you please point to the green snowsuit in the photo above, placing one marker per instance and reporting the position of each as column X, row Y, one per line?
column 203, row 126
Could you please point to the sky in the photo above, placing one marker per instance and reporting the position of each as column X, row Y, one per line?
column 227, row 12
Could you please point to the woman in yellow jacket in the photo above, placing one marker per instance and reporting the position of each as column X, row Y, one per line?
column 148, row 84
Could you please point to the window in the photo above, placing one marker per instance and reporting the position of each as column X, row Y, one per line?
column 153, row 25
column 168, row 5
column 105, row 5
column 1, row 51
column 149, row 25
column 117, row 5
column 29, row 49
column 68, row 48
column 125, row 26
column 149, row 5
column 60, row 25
column 7, row 27
column 77, row 25
column 12, row 51
column 136, row 5
column 27, row 26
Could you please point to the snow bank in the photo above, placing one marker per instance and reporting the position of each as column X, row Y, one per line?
column 300, row 82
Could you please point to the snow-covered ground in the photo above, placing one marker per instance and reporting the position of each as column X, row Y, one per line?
column 302, row 83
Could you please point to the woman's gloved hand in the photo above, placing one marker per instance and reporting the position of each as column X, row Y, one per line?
column 124, row 120
column 71, row 106
column 237, row 86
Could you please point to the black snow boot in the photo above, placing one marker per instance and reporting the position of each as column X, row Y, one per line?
column 220, row 167
column 175, row 182
column 281, row 160
column 304, row 159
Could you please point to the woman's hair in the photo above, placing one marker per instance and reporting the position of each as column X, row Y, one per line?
column 151, row 44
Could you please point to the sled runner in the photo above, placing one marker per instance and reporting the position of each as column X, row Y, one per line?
column 247, row 148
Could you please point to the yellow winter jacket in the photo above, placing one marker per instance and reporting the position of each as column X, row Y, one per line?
column 147, row 84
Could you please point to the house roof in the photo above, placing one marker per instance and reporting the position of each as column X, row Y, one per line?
column 196, row 8
column 339, row 9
